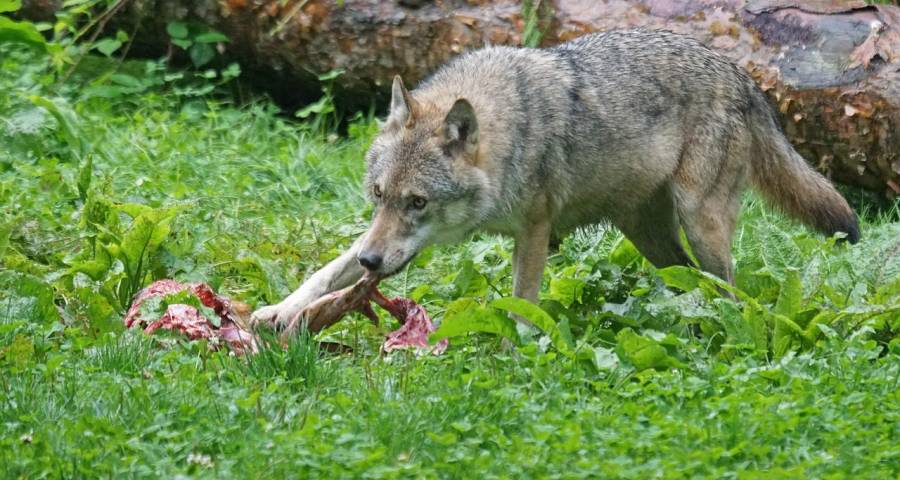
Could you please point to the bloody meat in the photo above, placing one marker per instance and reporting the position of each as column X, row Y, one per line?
column 324, row 312
column 328, row 310
column 189, row 320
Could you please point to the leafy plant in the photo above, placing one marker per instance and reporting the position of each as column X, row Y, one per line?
column 537, row 17
column 120, row 256
column 321, row 114
column 787, row 325
column 197, row 40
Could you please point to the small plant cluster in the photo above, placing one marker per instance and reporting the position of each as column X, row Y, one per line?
column 80, row 30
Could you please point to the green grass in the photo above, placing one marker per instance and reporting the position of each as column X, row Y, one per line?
column 262, row 201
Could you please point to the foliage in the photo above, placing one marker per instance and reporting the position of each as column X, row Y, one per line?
column 537, row 17
column 322, row 116
column 629, row 371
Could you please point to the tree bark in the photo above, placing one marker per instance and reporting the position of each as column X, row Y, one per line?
column 832, row 68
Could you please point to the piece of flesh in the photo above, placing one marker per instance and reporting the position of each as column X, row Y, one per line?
column 189, row 320
column 324, row 312
column 328, row 310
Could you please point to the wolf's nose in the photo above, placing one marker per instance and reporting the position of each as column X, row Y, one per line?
column 369, row 261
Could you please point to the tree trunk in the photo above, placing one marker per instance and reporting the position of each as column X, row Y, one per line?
column 832, row 68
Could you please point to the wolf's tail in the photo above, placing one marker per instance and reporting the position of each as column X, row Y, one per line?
column 787, row 181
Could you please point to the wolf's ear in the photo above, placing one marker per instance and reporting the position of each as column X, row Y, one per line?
column 460, row 130
column 403, row 106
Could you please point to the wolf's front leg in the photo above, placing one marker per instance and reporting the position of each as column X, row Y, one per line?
column 339, row 273
column 529, row 257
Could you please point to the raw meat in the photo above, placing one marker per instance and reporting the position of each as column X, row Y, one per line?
column 329, row 309
column 189, row 320
column 324, row 312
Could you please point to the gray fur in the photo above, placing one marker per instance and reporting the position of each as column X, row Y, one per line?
column 612, row 126
column 648, row 130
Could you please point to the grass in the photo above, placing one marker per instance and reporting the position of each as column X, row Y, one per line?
column 252, row 203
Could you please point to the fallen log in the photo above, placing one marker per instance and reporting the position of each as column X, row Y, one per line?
column 832, row 68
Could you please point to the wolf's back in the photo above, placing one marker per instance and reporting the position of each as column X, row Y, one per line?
column 601, row 121
column 710, row 89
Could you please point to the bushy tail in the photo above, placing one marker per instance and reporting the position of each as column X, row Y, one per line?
column 786, row 180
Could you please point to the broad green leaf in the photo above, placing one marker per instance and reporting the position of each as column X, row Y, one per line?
column 784, row 334
column 129, row 81
column 107, row 46
column 184, row 44
column 35, row 298
column 21, row 32
column 201, row 54
column 134, row 210
column 565, row 332
column 10, row 5
column 466, row 316
column 20, row 352
column 211, row 36
column 177, row 29
column 889, row 292
column 65, row 117
column 757, row 318
column 624, row 253
column 688, row 278
column 141, row 240
column 758, row 282
column 445, row 439
column 419, row 292
column 95, row 268
column 567, row 289
column 233, row 70
column 98, row 215
column 85, row 173
column 537, row 316
column 790, row 296
column 680, row 277
column 99, row 312
column 605, row 358
column 54, row 361
column 717, row 285
column 469, row 282
column 323, row 105
column 462, row 426
column 250, row 402
column 730, row 317
column 813, row 328
column 643, row 352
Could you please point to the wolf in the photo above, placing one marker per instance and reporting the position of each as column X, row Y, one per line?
column 647, row 130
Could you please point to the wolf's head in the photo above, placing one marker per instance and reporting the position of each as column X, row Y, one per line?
column 424, row 179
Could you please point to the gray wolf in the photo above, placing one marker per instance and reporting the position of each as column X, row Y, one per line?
column 648, row 130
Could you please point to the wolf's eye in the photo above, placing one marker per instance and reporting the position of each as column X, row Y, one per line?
column 419, row 203
column 376, row 190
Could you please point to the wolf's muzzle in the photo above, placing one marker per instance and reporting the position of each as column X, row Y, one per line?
column 370, row 261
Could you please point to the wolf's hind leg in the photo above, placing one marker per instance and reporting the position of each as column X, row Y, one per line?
column 708, row 195
column 709, row 228
column 653, row 229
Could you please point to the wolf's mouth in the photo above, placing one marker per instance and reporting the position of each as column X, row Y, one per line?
column 400, row 266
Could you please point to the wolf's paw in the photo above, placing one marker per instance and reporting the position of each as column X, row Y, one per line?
column 276, row 317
